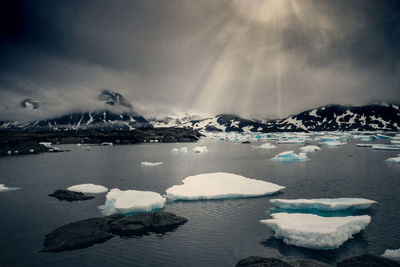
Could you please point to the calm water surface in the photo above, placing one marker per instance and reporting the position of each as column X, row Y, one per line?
column 218, row 233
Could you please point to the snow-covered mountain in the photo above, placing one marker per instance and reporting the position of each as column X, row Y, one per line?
column 118, row 113
column 325, row 118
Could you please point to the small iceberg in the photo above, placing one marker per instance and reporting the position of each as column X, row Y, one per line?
column 289, row 156
column 313, row 231
column 332, row 143
column 364, row 137
column 175, row 149
column 327, row 204
column 131, row 201
column 382, row 136
column 220, row 185
column 107, row 144
column 291, row 141
column 200, row 149
column 394, row 160
column 264, row 146
column 392, row 254
column 183, row 149
column 310, row 148
column 386, row 147
column 88, row 188
column 146, row 163
column 4, row 188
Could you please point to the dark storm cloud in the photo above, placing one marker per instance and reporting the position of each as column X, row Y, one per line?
column 205, row 56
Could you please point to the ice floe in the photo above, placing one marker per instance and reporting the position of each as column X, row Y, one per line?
column 220, row 185
column 394, row 160
column 88, row 188
column 386, row 147
column 265, row 146
column 4, row 188
column 393, row 254
column 310, row 148
column 364, row 137
column 146, row 163
column 313, row 231
column 291, row 141
column 131, row 201
column 289, row 156
column 332, row 143
column 200, row 149
column 328, row 204
column 175, row 149
column 183, row 149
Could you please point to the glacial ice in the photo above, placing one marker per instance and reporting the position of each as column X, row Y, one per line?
column 392, row 254
column 131, row 201
column 4, row 188
column 291, row 141
column 310, row 148
column 175, row 149
column 313, row 231
column 220, row 185
column 386, row 147
column 394, row 160
column 183, row 149
column 265, row 146
column 289, row 156
column 146, row 163
column 382, row 136
column 327, row 204
column 200, row 149
column 88, row 188
column 364, row 137
column 332, row 143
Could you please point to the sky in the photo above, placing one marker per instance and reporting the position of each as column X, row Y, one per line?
column 254, row 58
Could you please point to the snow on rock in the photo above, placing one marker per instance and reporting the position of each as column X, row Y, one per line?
column 4, row 188
column 131, row 201
column 310, row 148
column 328, row 204
column 289, row 156
column 88, row 188
column 220, row 185
column 200, row 149
column 146, row 163
column 392, row 254
column 265, row 146
column 313, row 231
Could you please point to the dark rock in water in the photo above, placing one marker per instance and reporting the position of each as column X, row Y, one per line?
column 85, row 233
column 246, row 142
column 139, row 224
column 67, row 195
column 309, row 263
column 255, row 261
column 368, row 261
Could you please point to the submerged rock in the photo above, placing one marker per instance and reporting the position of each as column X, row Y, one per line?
column 62, row 194
column 85, row 233
column 255, row 261
column 367, row 261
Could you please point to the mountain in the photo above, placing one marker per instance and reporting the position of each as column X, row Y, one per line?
column 118, row 114
column 326, row 118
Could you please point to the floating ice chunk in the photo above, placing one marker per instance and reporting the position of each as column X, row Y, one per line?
column 310, row 148
column 289, row 156
column 46, row 144
column 107, row 144
column 220, row 185
column 175, row 149
column 394, row 160
column 395, row 141
column 381, row 136
column 393, row 254
column 131, row 201
column 364, row 145
column 291, row 141
column 332, row 143
column 183, row 149
column 146, row 163
column 265, row 146
column 328, row 204
column 4, row 188
column 313, row 231
column 364, row 137
column 386, row 147
column 88, row 188
column 200, row 149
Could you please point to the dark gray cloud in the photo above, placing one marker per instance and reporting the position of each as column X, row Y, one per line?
column 262, row 58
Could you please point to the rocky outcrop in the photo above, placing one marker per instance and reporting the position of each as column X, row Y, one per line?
column 62, row 194
column 368, row 261
column 85, row 233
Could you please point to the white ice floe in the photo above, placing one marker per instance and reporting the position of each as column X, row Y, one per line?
column 200, row 149
column 364, row 137
column 332, row 143
column 313, row 231
column 265, row 146
column 365, row 145
column 146, row 163
column 328, row 204
column 88, row 188
column 394, row 160
column 175, row 149
column 386, row 147
column 289, row 156
column 4, row 188
column 46, row 144
column 131, row 201
column 310, row 148
column 107, row 144
column 220, row 185
column 393, row 254
column 291, row 141
column 183, row 149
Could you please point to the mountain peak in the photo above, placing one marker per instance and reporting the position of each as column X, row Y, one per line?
column 29, row 103
column 113, row 98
